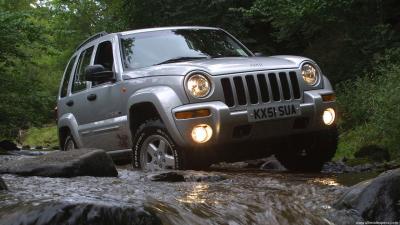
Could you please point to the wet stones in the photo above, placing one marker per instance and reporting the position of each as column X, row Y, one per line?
column 342, row 167
column 81, row 162
column 185, row 176
column 375, row 200
column 272, row 163
column 7, row 145
column 167, row 177
column 269, row 163
column 78, row 213
column 3, row 185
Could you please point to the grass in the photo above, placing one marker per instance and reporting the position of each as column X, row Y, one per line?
column 352, row 140
column 44, row 136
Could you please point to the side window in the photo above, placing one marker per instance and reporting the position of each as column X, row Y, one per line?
column 67, row 76
column 104, row 55
column 79, row 77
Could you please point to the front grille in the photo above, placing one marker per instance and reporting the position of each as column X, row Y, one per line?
column 261, row 87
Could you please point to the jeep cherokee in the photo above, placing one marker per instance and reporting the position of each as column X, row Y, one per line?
column 167, row 93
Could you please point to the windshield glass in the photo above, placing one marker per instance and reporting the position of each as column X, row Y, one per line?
column 167, row 46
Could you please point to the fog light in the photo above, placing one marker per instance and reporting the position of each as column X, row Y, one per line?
column 329, row 116
column 201, row 133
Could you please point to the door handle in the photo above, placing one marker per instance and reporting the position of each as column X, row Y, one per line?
column 91, row 97
column 70, row 103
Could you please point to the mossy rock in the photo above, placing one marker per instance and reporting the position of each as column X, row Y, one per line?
column 358, row 161
column 373, row 153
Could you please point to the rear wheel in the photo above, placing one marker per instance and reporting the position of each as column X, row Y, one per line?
column 69, row 143
column 309, row 152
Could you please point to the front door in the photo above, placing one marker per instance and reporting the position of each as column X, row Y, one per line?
column 103, row 111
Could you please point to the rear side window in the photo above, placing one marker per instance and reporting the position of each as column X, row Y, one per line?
column 67, row 76
column 79, row 77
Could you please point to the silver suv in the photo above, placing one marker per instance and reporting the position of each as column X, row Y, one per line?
column 167, row 94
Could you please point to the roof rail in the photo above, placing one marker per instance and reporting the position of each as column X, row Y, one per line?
column 91, row 38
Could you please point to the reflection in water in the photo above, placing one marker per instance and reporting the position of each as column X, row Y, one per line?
column 324, row 181
column 196, row 195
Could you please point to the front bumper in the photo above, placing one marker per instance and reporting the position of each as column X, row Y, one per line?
column 233, row 126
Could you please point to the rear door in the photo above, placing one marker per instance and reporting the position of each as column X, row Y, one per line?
column 79, row 89
column 64, row 91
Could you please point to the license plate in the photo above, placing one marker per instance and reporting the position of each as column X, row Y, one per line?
column 270, row 112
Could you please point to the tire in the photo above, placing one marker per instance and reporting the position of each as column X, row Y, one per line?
column 69, row 143
column 151, row 134
column 309, row 156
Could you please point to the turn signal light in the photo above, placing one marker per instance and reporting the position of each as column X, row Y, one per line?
column 328, row 97
column 193, row 114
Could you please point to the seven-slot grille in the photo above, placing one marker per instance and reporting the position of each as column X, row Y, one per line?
column 260, row 87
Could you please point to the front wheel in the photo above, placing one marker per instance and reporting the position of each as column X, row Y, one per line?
column 309, row 152
column 154, row 149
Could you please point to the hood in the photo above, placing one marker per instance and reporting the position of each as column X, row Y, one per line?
column 219, row 66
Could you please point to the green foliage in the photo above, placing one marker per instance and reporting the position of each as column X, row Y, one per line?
column 371, row 107
column 342, row 36
column 45, row 136
column 22, row 97
column 218, row 13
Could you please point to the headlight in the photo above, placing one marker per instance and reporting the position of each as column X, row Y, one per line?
column 310, row 74
column 198, row 85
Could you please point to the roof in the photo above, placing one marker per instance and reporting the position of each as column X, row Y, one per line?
column 91, row 38
column 165, row 28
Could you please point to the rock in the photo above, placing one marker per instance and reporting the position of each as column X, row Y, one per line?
column 168, row 177
column 197, row 176
column 3, row 185
column 390, row 165
column 272, row 164
column 2, row 152
column 27, row 153
column 188, row 176
column 375, row 200
column 362, row 168
column 256, row 163
column 55, row 147
column 345, row 217
column 7, row 145
column 80, row 162
column 78, row 213
column 374, row 153
column 252, row 164
column 341, row 167
column 334, row 167
column 26, row 147
column 39, row 147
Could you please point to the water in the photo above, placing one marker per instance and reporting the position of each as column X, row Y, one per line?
column 244, row 197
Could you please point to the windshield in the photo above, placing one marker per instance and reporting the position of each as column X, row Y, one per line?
column 168, row 46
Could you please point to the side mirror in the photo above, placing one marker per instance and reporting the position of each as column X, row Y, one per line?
column 258, row 54
column 98, row 73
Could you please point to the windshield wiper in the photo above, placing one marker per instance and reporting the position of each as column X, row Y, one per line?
column 181, row 59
